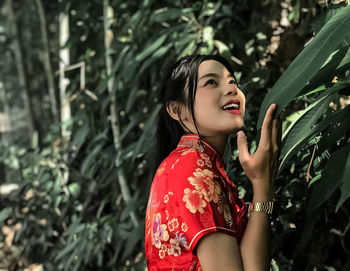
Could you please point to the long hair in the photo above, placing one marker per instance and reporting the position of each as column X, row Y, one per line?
column 181, row 77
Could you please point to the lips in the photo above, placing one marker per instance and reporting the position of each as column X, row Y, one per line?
column 231, row 105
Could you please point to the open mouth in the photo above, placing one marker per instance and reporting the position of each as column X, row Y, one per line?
column 232, row 107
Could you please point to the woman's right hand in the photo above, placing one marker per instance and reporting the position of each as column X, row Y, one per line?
column 261, row 166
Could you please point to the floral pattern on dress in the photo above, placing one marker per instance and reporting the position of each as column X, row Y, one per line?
column 161, row 169
column 173, row 165
column 166, row 235
column 186, row 151
column 159, row 231
column 173, row 224
column 206, row 159
column 200, row 163
column 175, row 221
column 204, row 183
column 174, row 247
column 184, row 227
column 194, row 201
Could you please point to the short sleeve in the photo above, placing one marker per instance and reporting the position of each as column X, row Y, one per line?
column 198, row 199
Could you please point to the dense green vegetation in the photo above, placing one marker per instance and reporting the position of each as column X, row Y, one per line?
column 78, row 110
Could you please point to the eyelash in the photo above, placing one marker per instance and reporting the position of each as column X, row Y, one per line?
column 210, row 81
column 233, row 82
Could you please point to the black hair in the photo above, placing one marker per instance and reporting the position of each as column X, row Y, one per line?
column 183, row 75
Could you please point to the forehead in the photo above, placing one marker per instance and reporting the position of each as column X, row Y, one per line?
column 212, row 66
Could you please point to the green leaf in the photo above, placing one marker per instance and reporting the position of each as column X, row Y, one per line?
column 131, row 99
column 151, row 48
column 5, row 214
column 156, row 55
column 307, row 63
column 134, row 237
column 67, row 249
column 332, row 177
column 74, row 189
column 336, row 64
column 167, row 14
column 345, row 187
column 333, row 134
column 119, row 60
column 302, row 138
column 300, row 116
column 148, row 132
column 323, row 18
column 80, row 136
column 90, row 159
column 182, row 41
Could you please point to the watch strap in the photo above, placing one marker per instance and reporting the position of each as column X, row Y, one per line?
column 264, row 207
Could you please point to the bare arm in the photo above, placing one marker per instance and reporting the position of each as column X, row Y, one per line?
column 219, row 251
column 260, row 167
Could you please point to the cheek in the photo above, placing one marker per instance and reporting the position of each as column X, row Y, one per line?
column 242, row 99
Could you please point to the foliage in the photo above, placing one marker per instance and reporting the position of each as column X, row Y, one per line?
column 84, row 224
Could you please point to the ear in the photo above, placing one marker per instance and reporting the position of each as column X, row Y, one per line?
column 174, row 109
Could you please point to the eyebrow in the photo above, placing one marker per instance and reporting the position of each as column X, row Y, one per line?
column 215, row 75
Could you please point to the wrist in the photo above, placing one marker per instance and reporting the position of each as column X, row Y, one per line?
column 263, row 194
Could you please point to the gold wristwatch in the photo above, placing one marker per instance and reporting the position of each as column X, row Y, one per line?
column 265, row 207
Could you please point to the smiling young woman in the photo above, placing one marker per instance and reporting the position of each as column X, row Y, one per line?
column 195, row 219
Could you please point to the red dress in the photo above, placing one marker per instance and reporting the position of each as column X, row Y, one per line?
column 191, row 196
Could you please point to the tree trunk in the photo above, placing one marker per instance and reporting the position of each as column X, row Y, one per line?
column 47, row 61
column 64, row 99
column 108, row 17
column 22, row 80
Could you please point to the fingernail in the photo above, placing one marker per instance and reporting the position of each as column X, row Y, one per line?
column 240, row 134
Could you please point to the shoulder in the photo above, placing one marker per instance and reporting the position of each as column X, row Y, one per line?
column 181, row 166
column 185, row 161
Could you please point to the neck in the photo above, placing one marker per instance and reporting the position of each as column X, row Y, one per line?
column 217, row 142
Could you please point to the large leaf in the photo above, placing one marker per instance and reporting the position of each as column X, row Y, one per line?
column 325, row 17
column 345, row 187
column 332, row 177
column 308, row 63
column 306, row 119
column 306, row 135
column 299, row 115
column 333, row 134
column 300, row 127
column 339, row 61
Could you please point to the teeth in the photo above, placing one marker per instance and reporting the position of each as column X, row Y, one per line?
column 231, row 106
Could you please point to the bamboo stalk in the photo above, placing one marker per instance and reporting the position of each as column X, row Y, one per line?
column 65, row 111
column 47, row 61
column 108, row 16
column 63, row 81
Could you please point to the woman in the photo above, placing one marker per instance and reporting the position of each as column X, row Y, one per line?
column 194, row 218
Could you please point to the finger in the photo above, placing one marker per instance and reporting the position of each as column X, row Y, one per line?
column 266, row 126
column 242, row 147
column 274, row 135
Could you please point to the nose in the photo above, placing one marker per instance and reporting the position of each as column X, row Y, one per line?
column 231, row 90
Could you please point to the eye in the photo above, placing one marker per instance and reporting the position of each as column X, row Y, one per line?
column 232, row 82
column 210, row 82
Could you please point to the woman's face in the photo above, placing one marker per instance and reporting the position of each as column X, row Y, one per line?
column 219, row 104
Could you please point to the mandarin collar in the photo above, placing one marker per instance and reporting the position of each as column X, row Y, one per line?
column 193, row 141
